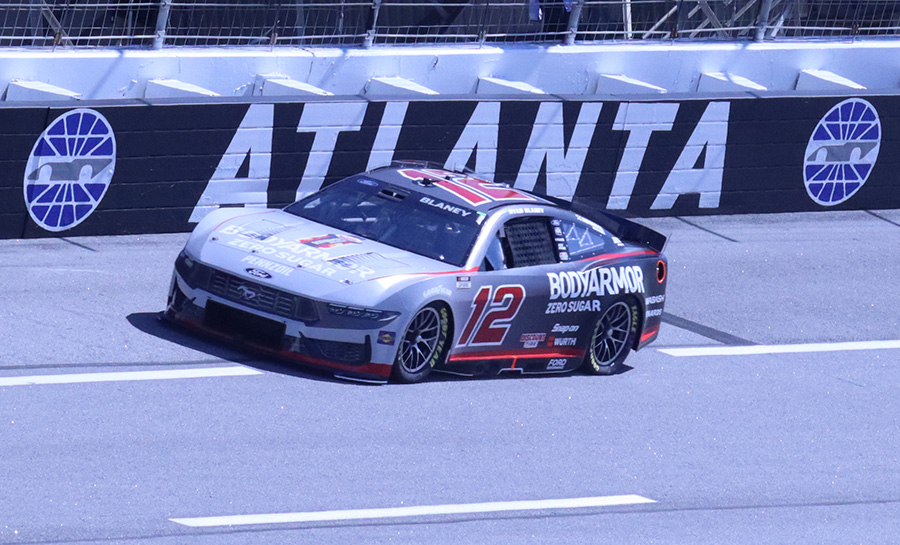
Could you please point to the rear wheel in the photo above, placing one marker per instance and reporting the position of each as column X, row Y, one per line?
column 423, row 345
column 613, row 337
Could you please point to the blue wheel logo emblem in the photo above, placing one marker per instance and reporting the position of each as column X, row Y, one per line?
column 69, row 169
column 841, row 152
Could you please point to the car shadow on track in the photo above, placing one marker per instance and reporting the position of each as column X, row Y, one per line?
column 153, row 324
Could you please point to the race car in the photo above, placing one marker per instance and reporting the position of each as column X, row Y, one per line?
column 413, row 268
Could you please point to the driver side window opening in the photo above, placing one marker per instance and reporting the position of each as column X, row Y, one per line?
column 495, row 257
column 521, row 242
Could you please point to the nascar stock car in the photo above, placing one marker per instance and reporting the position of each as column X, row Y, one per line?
column 411, row 268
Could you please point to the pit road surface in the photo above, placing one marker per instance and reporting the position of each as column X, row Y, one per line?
column 115, row 428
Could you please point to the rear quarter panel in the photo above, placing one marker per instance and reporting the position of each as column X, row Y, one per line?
column 540, row 319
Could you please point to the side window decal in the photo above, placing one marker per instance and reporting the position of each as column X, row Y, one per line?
column 578, row 240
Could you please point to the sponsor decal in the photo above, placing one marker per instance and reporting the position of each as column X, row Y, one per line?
column 842, row 152
column 265, row 265
column 463, row 282
column 359, row 264
column 596, row 282
column 262, row 229
column 559, row 328
column 330, row 241
column 453, row 209
column 69, row 169
column 493, row 310
column 562, row 341
column 654, row 312
column 557, row 364
column 437, row 290
column 531, row 340
column 258, row 273
column 654, row 300
column 387, row 337
column 284, row 250
column 566, row 307
column 297, row 253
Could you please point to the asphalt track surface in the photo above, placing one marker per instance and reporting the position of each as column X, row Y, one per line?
column 798, row 447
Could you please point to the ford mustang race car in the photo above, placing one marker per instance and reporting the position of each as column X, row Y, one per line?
column 411, row 268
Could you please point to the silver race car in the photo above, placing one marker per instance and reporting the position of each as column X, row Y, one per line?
column 410, row 268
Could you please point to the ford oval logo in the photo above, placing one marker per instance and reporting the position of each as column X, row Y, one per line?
column 247, row 293
column 258, row 273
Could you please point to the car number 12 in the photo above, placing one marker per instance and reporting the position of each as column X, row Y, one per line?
column 492, row 312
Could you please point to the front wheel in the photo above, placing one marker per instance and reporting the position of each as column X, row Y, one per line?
column 613, row 337
column 423, row 345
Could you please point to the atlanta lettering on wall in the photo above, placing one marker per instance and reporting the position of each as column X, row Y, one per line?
column 162, row 168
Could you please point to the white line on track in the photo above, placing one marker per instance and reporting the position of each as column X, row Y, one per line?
column 779, row 349
column 77, row 378
column 423, row 510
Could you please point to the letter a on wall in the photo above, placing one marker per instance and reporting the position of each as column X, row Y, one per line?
column 253, row 138
column 710, row 135
column 480, row 136
column 547, row 143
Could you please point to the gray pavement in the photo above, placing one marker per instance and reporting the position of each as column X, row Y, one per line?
column 772, row 448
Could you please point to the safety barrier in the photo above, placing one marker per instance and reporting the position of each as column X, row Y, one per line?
column 153, row 168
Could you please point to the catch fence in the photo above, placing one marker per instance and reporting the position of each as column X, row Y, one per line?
column 366, row 23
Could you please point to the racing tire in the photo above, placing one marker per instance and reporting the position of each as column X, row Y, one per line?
column 612, row 338
column 423, row 345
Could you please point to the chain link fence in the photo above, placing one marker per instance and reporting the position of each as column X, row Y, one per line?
column 365, row 23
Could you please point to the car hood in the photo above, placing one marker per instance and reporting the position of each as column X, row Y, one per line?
column 285, row 250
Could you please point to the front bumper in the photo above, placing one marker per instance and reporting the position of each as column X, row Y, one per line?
column 358, row 354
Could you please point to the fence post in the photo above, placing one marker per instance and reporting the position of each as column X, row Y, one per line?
column 162, row 22
column 762, row 23
column 626, row 18
column 574, row 17
column 370, row 32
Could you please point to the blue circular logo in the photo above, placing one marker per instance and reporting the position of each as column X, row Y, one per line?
column 69, row 169
column 842, row 152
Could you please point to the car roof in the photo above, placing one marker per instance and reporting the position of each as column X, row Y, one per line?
column 461, row 188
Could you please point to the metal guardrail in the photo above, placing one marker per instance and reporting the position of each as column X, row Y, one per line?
column 166, row 23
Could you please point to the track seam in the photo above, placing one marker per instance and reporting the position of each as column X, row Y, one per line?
column 705, row 331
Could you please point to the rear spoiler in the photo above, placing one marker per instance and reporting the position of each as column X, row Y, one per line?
column 625, row 229
column 631, row 231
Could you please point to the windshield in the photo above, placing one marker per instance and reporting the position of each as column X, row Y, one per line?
column 397, row 217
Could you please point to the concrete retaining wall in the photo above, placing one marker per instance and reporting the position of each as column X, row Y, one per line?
column 147, row 168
